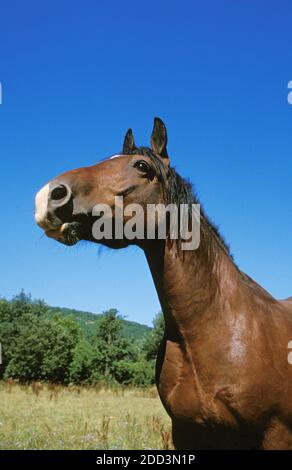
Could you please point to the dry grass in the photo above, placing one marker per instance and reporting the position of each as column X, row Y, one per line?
column 40, row 416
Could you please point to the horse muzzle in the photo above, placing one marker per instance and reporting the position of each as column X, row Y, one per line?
column 54, row 213
column 68, row 233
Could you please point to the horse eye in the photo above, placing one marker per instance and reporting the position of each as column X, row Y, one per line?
column 142, row 166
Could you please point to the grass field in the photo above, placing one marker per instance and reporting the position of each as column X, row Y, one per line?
column 40, row 416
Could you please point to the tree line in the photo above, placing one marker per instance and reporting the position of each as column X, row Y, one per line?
column 55, row 349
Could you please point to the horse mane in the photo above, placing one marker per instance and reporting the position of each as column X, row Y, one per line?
column 178, row 190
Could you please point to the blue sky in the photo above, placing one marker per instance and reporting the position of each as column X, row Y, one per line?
column 76, row 75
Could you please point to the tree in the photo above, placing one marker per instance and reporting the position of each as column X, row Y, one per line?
column 61, row 338
column 16, row 318
column 27, row 353
column 8, row 331
column 110, row 347
column 40, row 344
column 139, row 373
column 22, row 298
column 80, row 369
column 42, row 349
column 152, row 341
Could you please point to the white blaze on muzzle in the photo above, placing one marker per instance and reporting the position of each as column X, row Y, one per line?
column 41, row 204
column 116, row 156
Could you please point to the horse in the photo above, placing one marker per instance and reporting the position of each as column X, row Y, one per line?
column 222, row 370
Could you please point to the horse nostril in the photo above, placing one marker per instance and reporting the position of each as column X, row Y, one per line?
column 59, row 193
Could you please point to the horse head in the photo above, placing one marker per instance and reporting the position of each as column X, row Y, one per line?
column 65, row 208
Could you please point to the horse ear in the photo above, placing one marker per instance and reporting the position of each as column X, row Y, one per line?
column 129, row 144
column 159, row 138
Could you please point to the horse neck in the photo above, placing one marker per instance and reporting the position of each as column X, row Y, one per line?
column 191, row 283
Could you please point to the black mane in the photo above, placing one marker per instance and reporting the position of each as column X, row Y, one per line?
column 178, row 190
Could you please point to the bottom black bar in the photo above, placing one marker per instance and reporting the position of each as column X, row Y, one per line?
column 125, row 459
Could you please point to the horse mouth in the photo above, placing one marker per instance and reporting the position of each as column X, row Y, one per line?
column 68, row 233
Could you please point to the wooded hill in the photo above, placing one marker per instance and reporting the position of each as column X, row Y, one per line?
column 88, row 322
column 62, row 345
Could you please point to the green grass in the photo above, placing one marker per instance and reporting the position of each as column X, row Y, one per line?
column 49, row 416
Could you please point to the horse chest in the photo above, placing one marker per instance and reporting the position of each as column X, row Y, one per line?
column 181, row 390
column 178, row 384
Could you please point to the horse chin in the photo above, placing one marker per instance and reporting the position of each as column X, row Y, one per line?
column 71, row 233
column 115, row 244
column 68, row 234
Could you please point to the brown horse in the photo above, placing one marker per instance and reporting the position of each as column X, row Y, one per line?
column 222, row 369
